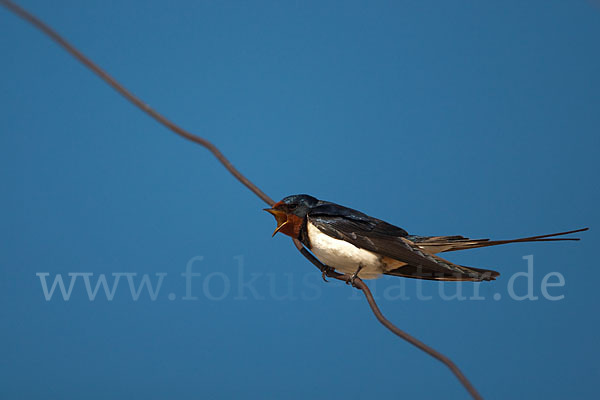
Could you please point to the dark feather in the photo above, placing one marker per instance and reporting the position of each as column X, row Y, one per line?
column 471, row 274
column 439, row 244
column 465, row 274
column 418, row 252
column 327, row 209
column 374, row 235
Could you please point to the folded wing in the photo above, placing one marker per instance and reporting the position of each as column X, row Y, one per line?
column 390, row 241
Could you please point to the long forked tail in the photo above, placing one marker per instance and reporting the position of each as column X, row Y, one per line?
column 440, row 244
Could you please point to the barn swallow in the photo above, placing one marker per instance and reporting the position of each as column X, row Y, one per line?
column 357, row 244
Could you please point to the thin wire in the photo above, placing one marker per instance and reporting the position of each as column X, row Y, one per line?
column 134, row 99
column 358, row 283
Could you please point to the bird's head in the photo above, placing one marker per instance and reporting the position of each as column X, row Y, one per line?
column 290, row 212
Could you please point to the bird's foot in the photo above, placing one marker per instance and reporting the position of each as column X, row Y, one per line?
column 353, row 277
column 326, row 271
column 351, row 280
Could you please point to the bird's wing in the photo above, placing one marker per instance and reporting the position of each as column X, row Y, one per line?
column 468, row 273
column 377, row 236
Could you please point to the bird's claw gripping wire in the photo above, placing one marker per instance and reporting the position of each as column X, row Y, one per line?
column 325, row 271
column 353, row 277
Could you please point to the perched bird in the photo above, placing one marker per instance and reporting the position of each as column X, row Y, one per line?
column 355, row 243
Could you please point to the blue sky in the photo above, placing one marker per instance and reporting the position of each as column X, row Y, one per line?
column 472, row 118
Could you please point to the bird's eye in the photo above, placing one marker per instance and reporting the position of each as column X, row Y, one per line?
column 292, row 206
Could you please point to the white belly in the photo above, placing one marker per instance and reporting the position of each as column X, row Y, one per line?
column 344, row 256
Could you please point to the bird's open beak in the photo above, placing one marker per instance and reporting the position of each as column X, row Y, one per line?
column 280, row 216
